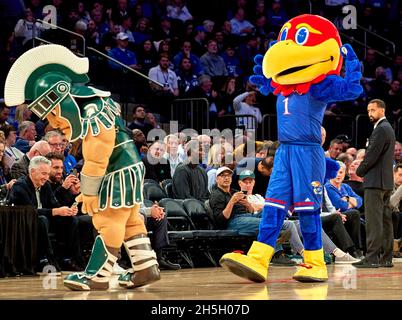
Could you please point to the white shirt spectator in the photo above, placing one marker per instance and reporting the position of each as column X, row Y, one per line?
column 167, row 78
column 243, row 108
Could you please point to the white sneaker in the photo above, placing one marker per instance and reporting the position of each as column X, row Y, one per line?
column 346, row 259
column 117, row 269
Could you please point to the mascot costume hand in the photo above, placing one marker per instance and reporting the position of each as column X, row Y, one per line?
column 302, row 68
column 53, row 79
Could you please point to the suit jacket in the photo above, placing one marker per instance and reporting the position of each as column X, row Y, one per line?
column 20, row 168
column 376, row 168
column 23, row 194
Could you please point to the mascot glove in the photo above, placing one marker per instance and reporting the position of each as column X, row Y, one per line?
column 89, row 203
column 348, row 53
column 263, row 84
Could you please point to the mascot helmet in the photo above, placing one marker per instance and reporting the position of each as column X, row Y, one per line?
column 46, row 75
column 307, row 50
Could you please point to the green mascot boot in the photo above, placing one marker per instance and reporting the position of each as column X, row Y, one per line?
column 313, row 269
column 253, row 266
column 145, row 268
column 97, row 274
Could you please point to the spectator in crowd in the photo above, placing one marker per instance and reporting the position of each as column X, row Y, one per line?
column 376, row 168
column 213, row 64
column 186, row 78
column 142, row 31
column 360, row 154
column 356, row 182
column 122, row 54
column 240, row 26
column 55, row 140
column 347, row 159
column 335, row 149
column 198, row 43
column 393, row 99
column 241, row 210
column 27, row 136
column 139, row 120
column 11, row 154
column 146, row 56
column 244, row 104
column 220, row 154
column 22, row 113
column 276, row 16
column 67, row 230
column 172, row 154
column 156, row 221
column 232, row 62
column 206, row 90
column 156, row 167
column 262, row 168
column 140, row 142
column 395, row 203
column 397, row 152
column 151, row 119
column 352, row 151
column 178, row 10
column 347, row 202
column 4, row 114
column 24, row 29
column 190, row 181
column 34, row 190
column 186, row 53
column 5, row 185
column 170, row 89
column 20, row 167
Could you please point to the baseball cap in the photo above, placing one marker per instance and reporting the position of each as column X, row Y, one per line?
column 122, row 36
column 246, row 174
column 223, row 169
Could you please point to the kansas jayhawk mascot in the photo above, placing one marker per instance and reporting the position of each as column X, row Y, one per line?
column 53, row 79
column 302, row 68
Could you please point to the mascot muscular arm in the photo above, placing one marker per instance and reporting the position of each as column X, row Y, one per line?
column 302, row 68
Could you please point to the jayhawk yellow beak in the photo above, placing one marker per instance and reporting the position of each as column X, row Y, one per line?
column 289, row 63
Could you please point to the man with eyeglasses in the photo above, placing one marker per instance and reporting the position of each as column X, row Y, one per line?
column 55, row 141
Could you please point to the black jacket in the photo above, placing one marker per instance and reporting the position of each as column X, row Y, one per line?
column 376, row 168
column 23, row 194
column 20, row 168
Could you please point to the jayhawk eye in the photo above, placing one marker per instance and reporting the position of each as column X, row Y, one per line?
column 301, row 36
column 284, row 34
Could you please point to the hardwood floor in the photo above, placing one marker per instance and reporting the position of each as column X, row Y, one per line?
column 345, row 283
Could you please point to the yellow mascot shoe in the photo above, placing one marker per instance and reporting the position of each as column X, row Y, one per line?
column 313, row 269
column 253, row 266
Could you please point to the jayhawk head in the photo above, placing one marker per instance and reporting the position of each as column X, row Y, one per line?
column 307, row 50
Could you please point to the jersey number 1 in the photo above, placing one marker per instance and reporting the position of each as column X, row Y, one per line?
column 286, row 101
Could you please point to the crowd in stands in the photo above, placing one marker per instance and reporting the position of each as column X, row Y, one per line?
column 207, row 50
column 192, row 57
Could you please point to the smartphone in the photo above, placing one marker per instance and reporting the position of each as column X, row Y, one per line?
column 74, row 205
column 74, row 172
column 245, row 192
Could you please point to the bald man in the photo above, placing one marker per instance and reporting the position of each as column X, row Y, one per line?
column 20, row 168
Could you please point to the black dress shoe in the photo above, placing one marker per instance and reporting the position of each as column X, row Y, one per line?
column 386, row 264
column 365, row 264
column 165, row 264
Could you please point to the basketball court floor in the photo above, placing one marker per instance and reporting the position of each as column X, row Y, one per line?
column 345, row 283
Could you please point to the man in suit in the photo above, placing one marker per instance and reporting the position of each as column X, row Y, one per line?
column 376, row 168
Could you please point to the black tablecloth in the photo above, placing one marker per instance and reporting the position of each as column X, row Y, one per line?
column 18, row 239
